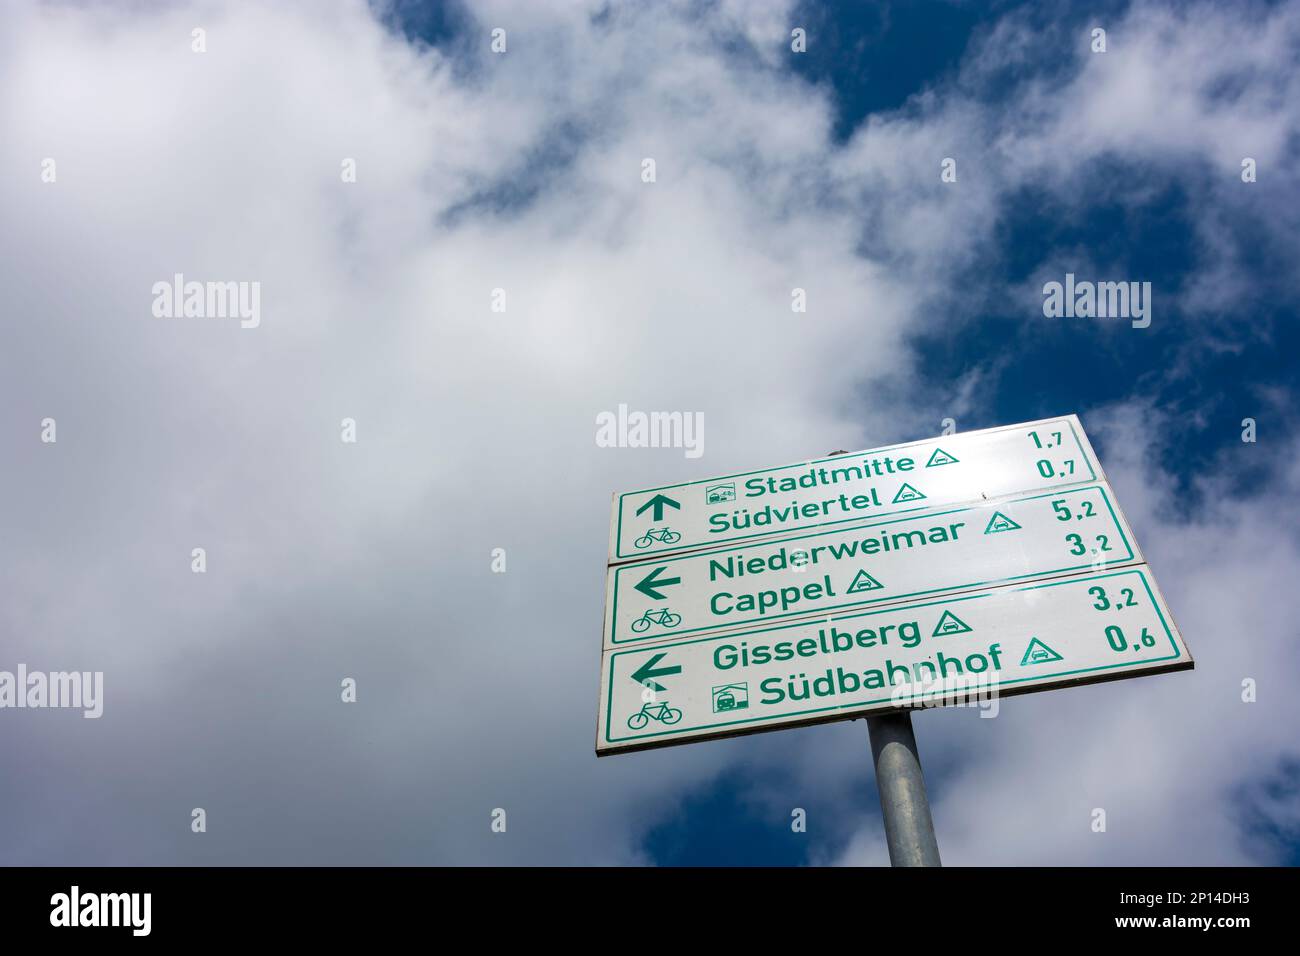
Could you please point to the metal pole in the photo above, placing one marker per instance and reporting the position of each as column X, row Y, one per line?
column 909, row 830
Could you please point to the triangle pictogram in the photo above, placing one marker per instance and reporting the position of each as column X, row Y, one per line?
column 1000, row 522
column 907, row 493
column 950, row 623
column 1039, row 653
column 864, row 582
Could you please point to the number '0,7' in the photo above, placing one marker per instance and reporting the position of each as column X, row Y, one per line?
column 1048, row 470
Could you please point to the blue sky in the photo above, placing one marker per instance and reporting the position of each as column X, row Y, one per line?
column 521, row 171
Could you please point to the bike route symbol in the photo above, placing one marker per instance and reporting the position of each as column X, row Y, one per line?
column 661, row 616
column 665, row 535
column 654, row 710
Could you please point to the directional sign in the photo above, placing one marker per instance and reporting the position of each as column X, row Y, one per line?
column 1003, row 541
column 832, row 492
column 966, row 649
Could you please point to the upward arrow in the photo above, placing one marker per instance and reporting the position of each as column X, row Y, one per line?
column 652, row 581
column 658, row 502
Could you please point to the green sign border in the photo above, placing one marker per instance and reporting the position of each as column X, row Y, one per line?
column 849, row 710
column 839, row 459
column 668, row 559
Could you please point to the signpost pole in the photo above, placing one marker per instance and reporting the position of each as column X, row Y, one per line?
column 909, row 830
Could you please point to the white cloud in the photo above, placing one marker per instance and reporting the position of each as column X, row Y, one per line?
column 476, row 428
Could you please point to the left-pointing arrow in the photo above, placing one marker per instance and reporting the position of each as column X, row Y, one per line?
column 643, row 675
column 657, row 503
column 652, row 581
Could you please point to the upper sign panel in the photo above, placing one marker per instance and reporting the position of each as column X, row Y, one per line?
column 821, row 494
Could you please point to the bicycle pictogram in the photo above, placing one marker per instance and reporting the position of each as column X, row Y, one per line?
column 661, row 616
column 654, row 711
column 664, row 535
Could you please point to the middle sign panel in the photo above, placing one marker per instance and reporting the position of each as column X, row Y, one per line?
column 1016, row 538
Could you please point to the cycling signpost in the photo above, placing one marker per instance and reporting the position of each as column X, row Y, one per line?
column 950, row 571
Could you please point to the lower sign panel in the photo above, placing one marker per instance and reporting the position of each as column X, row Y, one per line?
column 965, row 650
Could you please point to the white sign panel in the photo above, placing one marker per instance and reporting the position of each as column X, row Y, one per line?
column 967, row 649
column 834, row 491
column 1013, row 539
